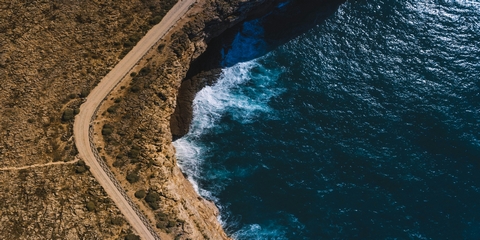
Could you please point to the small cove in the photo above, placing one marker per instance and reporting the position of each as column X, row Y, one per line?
column 365, row 126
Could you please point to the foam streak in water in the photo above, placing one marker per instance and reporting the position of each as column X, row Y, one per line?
column 229, row 95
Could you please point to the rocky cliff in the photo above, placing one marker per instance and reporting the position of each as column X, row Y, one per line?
column 134, row 123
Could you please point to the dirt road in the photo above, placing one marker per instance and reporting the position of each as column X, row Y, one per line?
column 81, row 128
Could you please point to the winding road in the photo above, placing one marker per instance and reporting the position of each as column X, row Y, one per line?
column 83, row 131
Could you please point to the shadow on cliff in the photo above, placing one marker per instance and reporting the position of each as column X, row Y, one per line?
column 284, row 23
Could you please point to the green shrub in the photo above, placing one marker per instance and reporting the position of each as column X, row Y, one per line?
column 112, row 109
column 134, row 153
column 152, row 197
column 91, row 206
column 128, row 44
column 133, row 178
column 140, row 193
column 171, row 223
column 107, row 131
column 74, row 151
column 135, row 38
column 132, row 236
column 80, row 169
column 161, row 225
column 118, row 163
column 133, row 74
column 57, row 157
column 134, row 160
column 84, row 93
column 135, row 89
column 116, row 221
column 161, row 96
column 136, row 147
column 161, row 216
column 144, row 71
column 161, row 47
column 123, row 54
column 68, row 114
column 154, row 205
column 155, row 20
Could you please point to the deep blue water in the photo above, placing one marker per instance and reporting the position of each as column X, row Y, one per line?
column 365, row 127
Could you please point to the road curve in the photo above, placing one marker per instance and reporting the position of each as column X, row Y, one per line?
column 83, row 132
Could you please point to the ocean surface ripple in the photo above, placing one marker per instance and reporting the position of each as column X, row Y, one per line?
column 365, row 127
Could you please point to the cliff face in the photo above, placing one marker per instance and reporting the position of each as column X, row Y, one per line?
column 280, row 24
column 135, row 124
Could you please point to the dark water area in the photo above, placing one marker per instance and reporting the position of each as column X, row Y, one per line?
column 282, row 24
column 366, row 126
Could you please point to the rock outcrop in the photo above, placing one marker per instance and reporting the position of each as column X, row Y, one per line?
column 57, row 202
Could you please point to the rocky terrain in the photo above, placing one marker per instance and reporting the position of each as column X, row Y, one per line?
column 57, row 202
column 52, row 53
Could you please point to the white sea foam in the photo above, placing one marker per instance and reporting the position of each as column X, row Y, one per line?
column 256, row 232
column 213, row 101
column 242, row 93
column 229, row 94
column 463, row 3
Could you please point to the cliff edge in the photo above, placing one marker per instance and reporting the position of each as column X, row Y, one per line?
column 133, row 124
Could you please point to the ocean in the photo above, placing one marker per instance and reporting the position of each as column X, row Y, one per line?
column 365, row 126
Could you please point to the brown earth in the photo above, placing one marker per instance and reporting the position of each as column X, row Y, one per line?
column 55, row 202
column 51, row 54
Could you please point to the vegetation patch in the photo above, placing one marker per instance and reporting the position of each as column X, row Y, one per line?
column 133, row 177
column 107, row 130
column 152, row 199
column 81, row 167
column 132, row 236
column 91, row 206
column 140, row 194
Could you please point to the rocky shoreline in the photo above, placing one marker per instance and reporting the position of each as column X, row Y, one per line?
column 52, row 55
column 136, row 125
column 158, row 103
column 280, row 24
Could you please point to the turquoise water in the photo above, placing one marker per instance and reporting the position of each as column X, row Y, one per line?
column 365, row 127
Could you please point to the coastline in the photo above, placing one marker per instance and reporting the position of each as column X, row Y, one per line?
column 140, row 142
column 54, row 55
column 205, row 68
